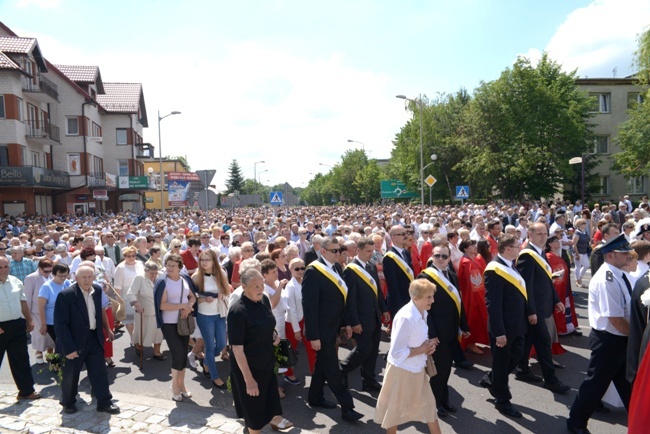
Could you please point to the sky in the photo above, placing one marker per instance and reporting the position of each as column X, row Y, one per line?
column 289, row 82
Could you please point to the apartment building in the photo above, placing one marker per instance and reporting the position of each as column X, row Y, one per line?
column 66, row 137
column 612, row 97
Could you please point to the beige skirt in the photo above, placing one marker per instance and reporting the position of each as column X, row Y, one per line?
column 405, row 397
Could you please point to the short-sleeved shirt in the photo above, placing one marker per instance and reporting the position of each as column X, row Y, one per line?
column 11, row 295
column 608, row 298
column 22, row 268
column 49, row 291
column 177, row 292
column 251, row 324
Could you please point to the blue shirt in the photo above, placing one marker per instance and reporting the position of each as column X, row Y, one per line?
column 49, row 291
column 22, row 268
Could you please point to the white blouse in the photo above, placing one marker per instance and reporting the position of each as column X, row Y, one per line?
column 293, row 293
column 409, row 331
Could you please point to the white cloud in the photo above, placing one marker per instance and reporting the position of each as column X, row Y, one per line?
column 43, row 4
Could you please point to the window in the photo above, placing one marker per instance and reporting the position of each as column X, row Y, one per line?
column 600, row 102
column 96, row 131
column 21, row 109
column 2, row 106
column 72, row 124
column 601, row 145
column 35, row 159
column 123, row 167
column 4, row 155
column 635, row 185
column 23, row 154
column 121, row 136
column 604, row 185
column 98, row 165
column 634, row 99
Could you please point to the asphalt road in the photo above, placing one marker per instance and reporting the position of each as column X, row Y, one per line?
column 543, row 411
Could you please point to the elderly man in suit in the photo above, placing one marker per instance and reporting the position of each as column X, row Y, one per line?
column 78, row 323
column 324, row 295
column 112, row 250
column 397, row 270
column 365, row 310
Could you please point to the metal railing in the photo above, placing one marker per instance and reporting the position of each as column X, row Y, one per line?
column 42, row 85
column 42, row 129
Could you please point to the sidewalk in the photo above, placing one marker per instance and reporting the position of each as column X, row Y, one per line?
column 139, row 414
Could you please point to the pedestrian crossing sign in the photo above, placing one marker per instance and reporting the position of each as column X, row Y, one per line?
column 275, row 198
column 462, row 192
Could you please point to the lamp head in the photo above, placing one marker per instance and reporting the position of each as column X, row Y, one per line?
column 401, row 96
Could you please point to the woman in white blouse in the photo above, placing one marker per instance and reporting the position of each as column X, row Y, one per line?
column 125, row 273
column 406, row 395
column 140, row 296
column 213, row 294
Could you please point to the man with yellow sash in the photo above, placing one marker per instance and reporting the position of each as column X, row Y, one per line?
column 447, row 324
column 397, row 270
column 505, row 297
column 542, row 298
column 324, row 294
column 365, row 310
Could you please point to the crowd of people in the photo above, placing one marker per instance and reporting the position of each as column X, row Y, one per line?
column 230, row 284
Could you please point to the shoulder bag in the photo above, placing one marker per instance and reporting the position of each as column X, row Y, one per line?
column 184, row 326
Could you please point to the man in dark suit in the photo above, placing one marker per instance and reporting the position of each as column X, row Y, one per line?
column 542, row 298
column 509, row 218
column 365, row 309
column 324, row 296
column 505, row 297
column 112, row 250
column 446, row 317
column 397, row 271
column 78, row 323
column 313, row 252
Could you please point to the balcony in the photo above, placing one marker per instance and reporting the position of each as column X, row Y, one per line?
column 144, row 150
column 41, row 131
column 43, row 90
column 32, row 176
column 97, row 179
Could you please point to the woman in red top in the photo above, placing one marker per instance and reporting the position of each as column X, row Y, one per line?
column 416, row 262
column 470, row 279
column 566, row 322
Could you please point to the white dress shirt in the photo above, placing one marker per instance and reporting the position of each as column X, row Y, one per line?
column 409, row 331
column 293, row 294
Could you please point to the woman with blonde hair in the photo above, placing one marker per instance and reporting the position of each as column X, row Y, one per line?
column 125, row 273
column 140, row 296
column 213, row 292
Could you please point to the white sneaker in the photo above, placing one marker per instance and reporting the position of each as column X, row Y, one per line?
column 191, row 358
column 39, row 359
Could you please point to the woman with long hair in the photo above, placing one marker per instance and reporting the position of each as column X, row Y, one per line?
column 213, row 292
column 484, row 256
column 280, row 258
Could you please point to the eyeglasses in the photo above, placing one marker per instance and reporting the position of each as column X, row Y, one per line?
column 425, row 232
column 399, row 235
column 299, row 269
column 247, row 250
column 440, row 256
column 410, row 232
column 335, row 251
column 206, row 259
column 225, row 238
column 129, row 256
column 47, row 271
column 176, row 247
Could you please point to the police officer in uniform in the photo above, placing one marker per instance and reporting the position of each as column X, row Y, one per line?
column 609, row 318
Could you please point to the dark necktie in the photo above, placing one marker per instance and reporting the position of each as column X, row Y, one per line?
column 368, row 268
column 627, row 283
column 446, row 273
column 335, row 270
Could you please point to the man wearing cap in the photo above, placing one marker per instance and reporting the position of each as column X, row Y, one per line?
column 609, row 319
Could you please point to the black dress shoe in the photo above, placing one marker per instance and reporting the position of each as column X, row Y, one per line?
column 323, row 403
column 371, row 387
column 528, row 377
column 450, row 408
column 465, row 364
column 557, row 387
column 508, row 410
column 351, row 415
column 576, row 430
column 485, row 382
column 160, row 357
column 577, row 333
column 110, row 409
column 222, row 386
column 442, row 412
column 71, row 409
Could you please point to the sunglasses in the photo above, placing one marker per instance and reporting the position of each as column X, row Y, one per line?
column 129, row 256
column 299, row 269
column 225, row 238
column 399, row 235
column 425, row 232
column 440, row 256
column 335, row 251
column 47, row 271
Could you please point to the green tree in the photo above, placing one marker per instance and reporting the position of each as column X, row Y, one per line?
column 235, row 179
column 521, row 130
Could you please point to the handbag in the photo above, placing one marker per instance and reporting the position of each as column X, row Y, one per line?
column 288, row 357
column 430, row 367
column 118, row 305
column 184, row 326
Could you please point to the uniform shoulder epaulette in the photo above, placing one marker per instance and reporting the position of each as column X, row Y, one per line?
column 609, row 276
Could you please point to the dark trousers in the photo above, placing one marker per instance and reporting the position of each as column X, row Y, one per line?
column 364, row 354
column 14, row 342
column 93, row 357
column 51, row 332
column 327, row 369
column 177, row 346
column 538, row 335
column 607, row 364
column 439, row 382
column 504, row 361
column 457, row 352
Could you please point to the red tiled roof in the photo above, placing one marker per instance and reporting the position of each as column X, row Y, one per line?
column 121, row 97
column 12, row 44
column 79, row 73
column 7, row 63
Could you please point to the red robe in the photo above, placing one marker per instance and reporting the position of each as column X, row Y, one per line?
column 416, row 262
column 472, row 290
column 564, row 322
column 426, row 251
column 638, row 414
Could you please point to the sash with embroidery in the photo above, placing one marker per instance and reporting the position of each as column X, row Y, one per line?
column 401, row 263
column 365, row 276
column 449, row 288
column 335, row 278
column 510, row 275
column 541, row 261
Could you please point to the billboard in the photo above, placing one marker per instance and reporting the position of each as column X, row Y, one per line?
column 178, row 187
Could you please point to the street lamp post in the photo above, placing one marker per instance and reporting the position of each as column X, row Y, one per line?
column 434, row 157
column 255, row 169
column 419, row 103
column 327, row 165
column 162, row 188
column 263, row 171
column 363, row 145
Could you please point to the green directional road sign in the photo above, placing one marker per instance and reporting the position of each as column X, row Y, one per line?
column 394, row 189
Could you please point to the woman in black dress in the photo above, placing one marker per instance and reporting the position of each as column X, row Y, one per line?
column 251, row 333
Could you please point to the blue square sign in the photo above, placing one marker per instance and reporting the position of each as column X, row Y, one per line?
column 275, row 198
column 462, row 192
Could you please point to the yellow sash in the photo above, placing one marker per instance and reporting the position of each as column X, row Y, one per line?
column 510, row 275
column 333, row 277
column 400, row 262
column 365, row 276
column 440, row 279
column 540, row 261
